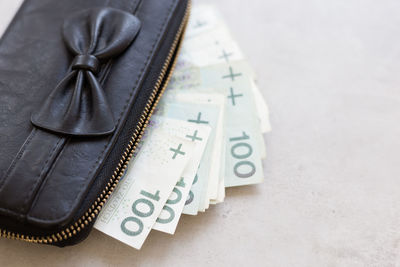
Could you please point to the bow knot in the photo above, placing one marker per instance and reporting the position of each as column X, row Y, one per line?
column 78, row 105
column 86, row 62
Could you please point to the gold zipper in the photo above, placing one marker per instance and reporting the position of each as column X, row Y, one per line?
column 151, row 104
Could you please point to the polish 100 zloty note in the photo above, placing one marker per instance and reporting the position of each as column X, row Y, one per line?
column 242, row 134
column 215, row 192
column 168, row 219
column 211, row 59
column 140, row 196
column 210, row 42
column 209, row 170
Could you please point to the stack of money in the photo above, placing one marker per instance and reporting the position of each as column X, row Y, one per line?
column 206, row 135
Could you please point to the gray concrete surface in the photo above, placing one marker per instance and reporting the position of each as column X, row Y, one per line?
column 330, row 73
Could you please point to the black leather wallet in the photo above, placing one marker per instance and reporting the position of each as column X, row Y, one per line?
column 79, row 81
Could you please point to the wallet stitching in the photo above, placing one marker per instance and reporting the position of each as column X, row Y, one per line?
column 127, row 102
column 45, row 180
column 17, row 158
column 42, row 172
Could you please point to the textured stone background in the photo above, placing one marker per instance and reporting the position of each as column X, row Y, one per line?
column 331, row 197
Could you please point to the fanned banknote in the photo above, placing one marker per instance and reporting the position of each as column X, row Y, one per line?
column 200, row 113
column 134, row 207
column 198, row 134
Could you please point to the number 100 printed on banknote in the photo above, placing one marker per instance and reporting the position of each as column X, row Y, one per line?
column 134, row 207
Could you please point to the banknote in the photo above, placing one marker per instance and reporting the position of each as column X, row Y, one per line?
column 216, row 188
column 242, row 128
column 216, row 46
column 168, row 219
column 212, row 43
column 134, row 207
column 203, row 114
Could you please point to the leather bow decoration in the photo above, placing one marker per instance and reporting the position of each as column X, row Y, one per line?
column 78, row 105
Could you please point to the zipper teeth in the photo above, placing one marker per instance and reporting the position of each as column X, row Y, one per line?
column 151, row 104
